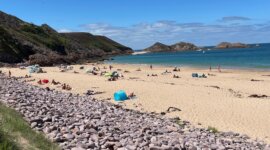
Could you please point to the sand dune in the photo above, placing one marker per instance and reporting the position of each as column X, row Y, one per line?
column 221, row 101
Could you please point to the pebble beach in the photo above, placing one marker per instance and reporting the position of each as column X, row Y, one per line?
column 222, row 101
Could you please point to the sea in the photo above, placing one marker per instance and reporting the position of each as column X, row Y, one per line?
column 257, row 56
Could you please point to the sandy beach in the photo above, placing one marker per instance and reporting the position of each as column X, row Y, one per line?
column 221, row 100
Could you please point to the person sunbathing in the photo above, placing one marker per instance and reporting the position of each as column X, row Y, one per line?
column 39, row 82
column 64, row 86
column 175, row 76
column 131, row 95
column 176, row 69
column 94, row 73
column 55, row 83
column 68, row 88
column 26, row 76
column 112, row 79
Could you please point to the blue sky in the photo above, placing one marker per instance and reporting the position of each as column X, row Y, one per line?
column 140, row 23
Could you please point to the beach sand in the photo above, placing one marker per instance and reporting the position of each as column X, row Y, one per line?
column 221, row 101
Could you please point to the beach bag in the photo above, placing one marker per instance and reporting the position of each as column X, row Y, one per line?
column 120, row 96
column 195, row 75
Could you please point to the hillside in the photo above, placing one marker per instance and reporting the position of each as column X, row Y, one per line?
column 181, row 46
column 25, row 42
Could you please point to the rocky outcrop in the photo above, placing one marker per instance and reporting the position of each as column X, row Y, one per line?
column 158, row 47
column 25, row 42
column 225, row 45
column 83, row 122
column 181, row 46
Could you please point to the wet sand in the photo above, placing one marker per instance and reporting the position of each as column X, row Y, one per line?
column 221, row 100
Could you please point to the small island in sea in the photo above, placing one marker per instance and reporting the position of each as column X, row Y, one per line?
column 224, row 45
column 181, row 46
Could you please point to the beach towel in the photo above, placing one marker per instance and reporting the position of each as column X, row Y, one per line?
column 108, row 74
column 45, row 81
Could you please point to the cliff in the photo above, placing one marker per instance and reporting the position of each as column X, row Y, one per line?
column 25, row 42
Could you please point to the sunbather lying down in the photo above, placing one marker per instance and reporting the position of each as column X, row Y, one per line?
column 176, row 69
column 66, row 87
column 175, row 76
column 55, row 83
column 112, row 78
column 166, row 71
column 153, row 75
column 131, row 95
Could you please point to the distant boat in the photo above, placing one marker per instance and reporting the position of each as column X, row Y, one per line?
column 257, row 45
column 199, row 50
column 208, row 49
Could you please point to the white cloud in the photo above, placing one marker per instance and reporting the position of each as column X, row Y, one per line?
column 64, row 30
column 144, row 34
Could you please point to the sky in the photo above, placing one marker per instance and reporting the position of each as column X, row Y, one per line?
column 140, row 23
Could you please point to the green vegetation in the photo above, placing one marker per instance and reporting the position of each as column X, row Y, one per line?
column 6, row 142
column 15, row 133
column 180, row 123
column 213, row 129
column 20, row 41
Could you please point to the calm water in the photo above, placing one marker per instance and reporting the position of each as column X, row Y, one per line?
column 247, row 58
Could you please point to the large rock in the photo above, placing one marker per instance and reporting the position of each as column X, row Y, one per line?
column 181, row 46
column 225, row 45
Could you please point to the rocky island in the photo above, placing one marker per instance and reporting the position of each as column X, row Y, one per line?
column 181, row 46
column 25, row 42
column 225, row 45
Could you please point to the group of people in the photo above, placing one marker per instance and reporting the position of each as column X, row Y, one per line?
column 63, row 86
column 218, row 68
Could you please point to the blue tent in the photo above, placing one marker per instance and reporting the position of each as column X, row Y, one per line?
column 120, row 96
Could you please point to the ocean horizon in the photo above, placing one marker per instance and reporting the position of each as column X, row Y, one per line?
column 255, row 57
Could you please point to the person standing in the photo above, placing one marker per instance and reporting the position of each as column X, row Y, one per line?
column 219, row 70
column 151, row 67
column 110, row 67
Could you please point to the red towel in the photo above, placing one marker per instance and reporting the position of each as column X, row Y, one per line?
column 45, row 81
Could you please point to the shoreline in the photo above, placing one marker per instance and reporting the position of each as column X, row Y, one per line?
column 221, row 101
column 214, row 68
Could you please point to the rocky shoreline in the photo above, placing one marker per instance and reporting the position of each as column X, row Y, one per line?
column 81, row 122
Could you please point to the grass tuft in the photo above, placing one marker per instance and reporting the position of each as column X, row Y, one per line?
column 213, row 129
column 15, row 133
